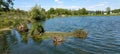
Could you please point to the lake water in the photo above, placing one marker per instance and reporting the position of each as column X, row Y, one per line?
column 103, row 37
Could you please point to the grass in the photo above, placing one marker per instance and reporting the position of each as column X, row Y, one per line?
column 80, row 33
column 47, row 35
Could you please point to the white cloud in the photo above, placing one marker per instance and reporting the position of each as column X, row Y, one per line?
column 67, row 7
column 58, row 1
column 103, row 4
column 97, row 5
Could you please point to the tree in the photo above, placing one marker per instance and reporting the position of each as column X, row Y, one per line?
column 83, row 11
column 116, row 11
column 6, row 5
column 43, row 11
column 51, row 11
column 37, row 18
column 99, row 12
column 36, row 14
column 108, row 10
column 59, row 11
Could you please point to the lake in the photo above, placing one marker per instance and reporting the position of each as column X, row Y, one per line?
column 103, row 37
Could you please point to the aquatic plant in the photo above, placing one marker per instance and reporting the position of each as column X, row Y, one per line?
column 80, row 33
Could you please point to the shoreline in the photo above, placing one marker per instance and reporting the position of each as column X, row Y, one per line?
column 80, row 16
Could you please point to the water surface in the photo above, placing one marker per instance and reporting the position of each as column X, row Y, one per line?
column 103, row 37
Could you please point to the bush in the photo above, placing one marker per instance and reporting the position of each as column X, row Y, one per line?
column 36, row 14
column 80, row 33
column 36, row 29
column 37, row 18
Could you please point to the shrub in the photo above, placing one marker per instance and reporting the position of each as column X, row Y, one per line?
column 37, row 18
column 36, row 14
column 80, row 33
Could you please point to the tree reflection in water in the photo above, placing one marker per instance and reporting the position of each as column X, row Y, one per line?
column 37, row 39
column 6, row 41
column 24, row 37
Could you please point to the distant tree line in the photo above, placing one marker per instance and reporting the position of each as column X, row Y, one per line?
column 7, row 6
column 116, row 11
column 52, row 12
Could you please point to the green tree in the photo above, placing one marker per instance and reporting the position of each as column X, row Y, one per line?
column 43, row 11
column 51, row 11
column 99, row 12
column 6, row 5
column 59, row 11
column 83, row 11
column 36, row 14
column 37, row 18
column 108, row 10
column 116, row 11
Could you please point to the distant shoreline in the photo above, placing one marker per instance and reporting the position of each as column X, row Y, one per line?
column 81, row 16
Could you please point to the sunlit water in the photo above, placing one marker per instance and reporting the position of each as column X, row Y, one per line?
column 103, row 37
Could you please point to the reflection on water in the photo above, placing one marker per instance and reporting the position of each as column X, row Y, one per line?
column 103, row 37
column 56, row 43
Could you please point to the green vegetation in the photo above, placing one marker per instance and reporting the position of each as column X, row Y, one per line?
column 10, row 22
column 52, row 12
column 37, row 17
column 36, row 14
column 80, row 33
column 6, row 5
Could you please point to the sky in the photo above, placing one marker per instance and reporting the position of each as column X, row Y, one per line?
column 67, row 4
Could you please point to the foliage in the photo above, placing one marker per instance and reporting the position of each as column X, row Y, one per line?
column 80, row 33
column 99, row 12
column 36, row 14
column 8, row 19
column 51, row 11
column 83, row 11
column 36, row 29
column 5, row 5
column 116, row 11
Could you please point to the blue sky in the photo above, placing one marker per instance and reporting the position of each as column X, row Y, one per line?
column 68, row 4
